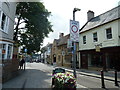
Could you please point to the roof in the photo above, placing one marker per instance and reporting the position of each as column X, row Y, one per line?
column 56, row 41
column 104, row 18
column 49, row 45
column 63, row 40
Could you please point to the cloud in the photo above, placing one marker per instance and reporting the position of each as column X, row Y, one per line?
column 62, row 12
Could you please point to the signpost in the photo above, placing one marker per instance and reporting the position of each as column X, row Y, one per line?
column 74, row 37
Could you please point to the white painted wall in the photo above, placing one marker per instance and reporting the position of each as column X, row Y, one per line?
column 9, row 9
column 101, row 33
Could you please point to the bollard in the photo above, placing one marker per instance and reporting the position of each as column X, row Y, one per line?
column 116, row 83
column 102, row 79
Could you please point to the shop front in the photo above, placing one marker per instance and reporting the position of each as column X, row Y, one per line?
column 106, row 59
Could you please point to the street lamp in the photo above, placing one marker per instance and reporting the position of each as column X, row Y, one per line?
column 75, row 10
column 74, row 50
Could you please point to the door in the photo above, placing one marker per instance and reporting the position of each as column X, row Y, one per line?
column 84, row 61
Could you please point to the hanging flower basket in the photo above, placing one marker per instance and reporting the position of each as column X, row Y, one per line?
column 64, row 80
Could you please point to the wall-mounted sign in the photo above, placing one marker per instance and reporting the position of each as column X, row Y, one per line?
column 97, row 47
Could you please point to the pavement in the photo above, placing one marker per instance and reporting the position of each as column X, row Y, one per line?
column 109, row 75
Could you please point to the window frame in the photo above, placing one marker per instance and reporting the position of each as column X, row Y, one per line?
column 84, row 40
column 109, row 33
column 9, row 51
column 95, row 37
column 6, row 22
column 4, row 48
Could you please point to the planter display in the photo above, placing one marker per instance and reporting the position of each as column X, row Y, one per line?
column 64, row 80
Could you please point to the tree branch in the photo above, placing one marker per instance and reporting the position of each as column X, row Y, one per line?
column 21, row 28
column 21, row 22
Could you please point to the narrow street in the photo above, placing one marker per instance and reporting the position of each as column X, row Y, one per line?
column 38, row 75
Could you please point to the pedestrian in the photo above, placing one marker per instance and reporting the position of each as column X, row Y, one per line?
column 22, row 61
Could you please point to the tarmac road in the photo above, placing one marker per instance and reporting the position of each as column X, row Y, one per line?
column 38, row 75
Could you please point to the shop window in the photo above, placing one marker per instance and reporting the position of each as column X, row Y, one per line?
column 96, row 61
column 9, row 51
column 3, row 51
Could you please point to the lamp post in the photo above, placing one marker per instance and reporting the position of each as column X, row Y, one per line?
column 74, row 50
column 75, row 10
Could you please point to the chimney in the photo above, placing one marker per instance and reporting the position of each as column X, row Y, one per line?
column 61, row 35
column 90, row 15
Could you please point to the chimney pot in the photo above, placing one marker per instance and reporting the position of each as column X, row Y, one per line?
column 90, row 15
column 61, row 35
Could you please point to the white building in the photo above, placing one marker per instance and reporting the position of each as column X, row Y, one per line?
column 7, row 16
column 99, row 44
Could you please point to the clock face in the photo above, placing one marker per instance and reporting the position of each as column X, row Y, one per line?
column 74, row 28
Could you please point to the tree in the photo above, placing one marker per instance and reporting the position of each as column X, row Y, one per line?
column 36, row 25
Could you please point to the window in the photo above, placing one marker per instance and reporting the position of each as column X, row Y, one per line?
column 3, row 51
column 95, row 60
column 84, row 39
column 4, row 20
column 95, row 39
column 9, row 51
column 109, row 33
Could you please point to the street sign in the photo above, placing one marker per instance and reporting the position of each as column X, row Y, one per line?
column 69, row 43
column 74, row 30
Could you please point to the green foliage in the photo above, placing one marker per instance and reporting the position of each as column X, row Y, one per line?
column 37, row 27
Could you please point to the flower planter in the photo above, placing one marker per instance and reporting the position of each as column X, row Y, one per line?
column 64, row 81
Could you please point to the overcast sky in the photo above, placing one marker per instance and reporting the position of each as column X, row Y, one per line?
column 62, row 13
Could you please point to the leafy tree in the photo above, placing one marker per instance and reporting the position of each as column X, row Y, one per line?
column 36, row 26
